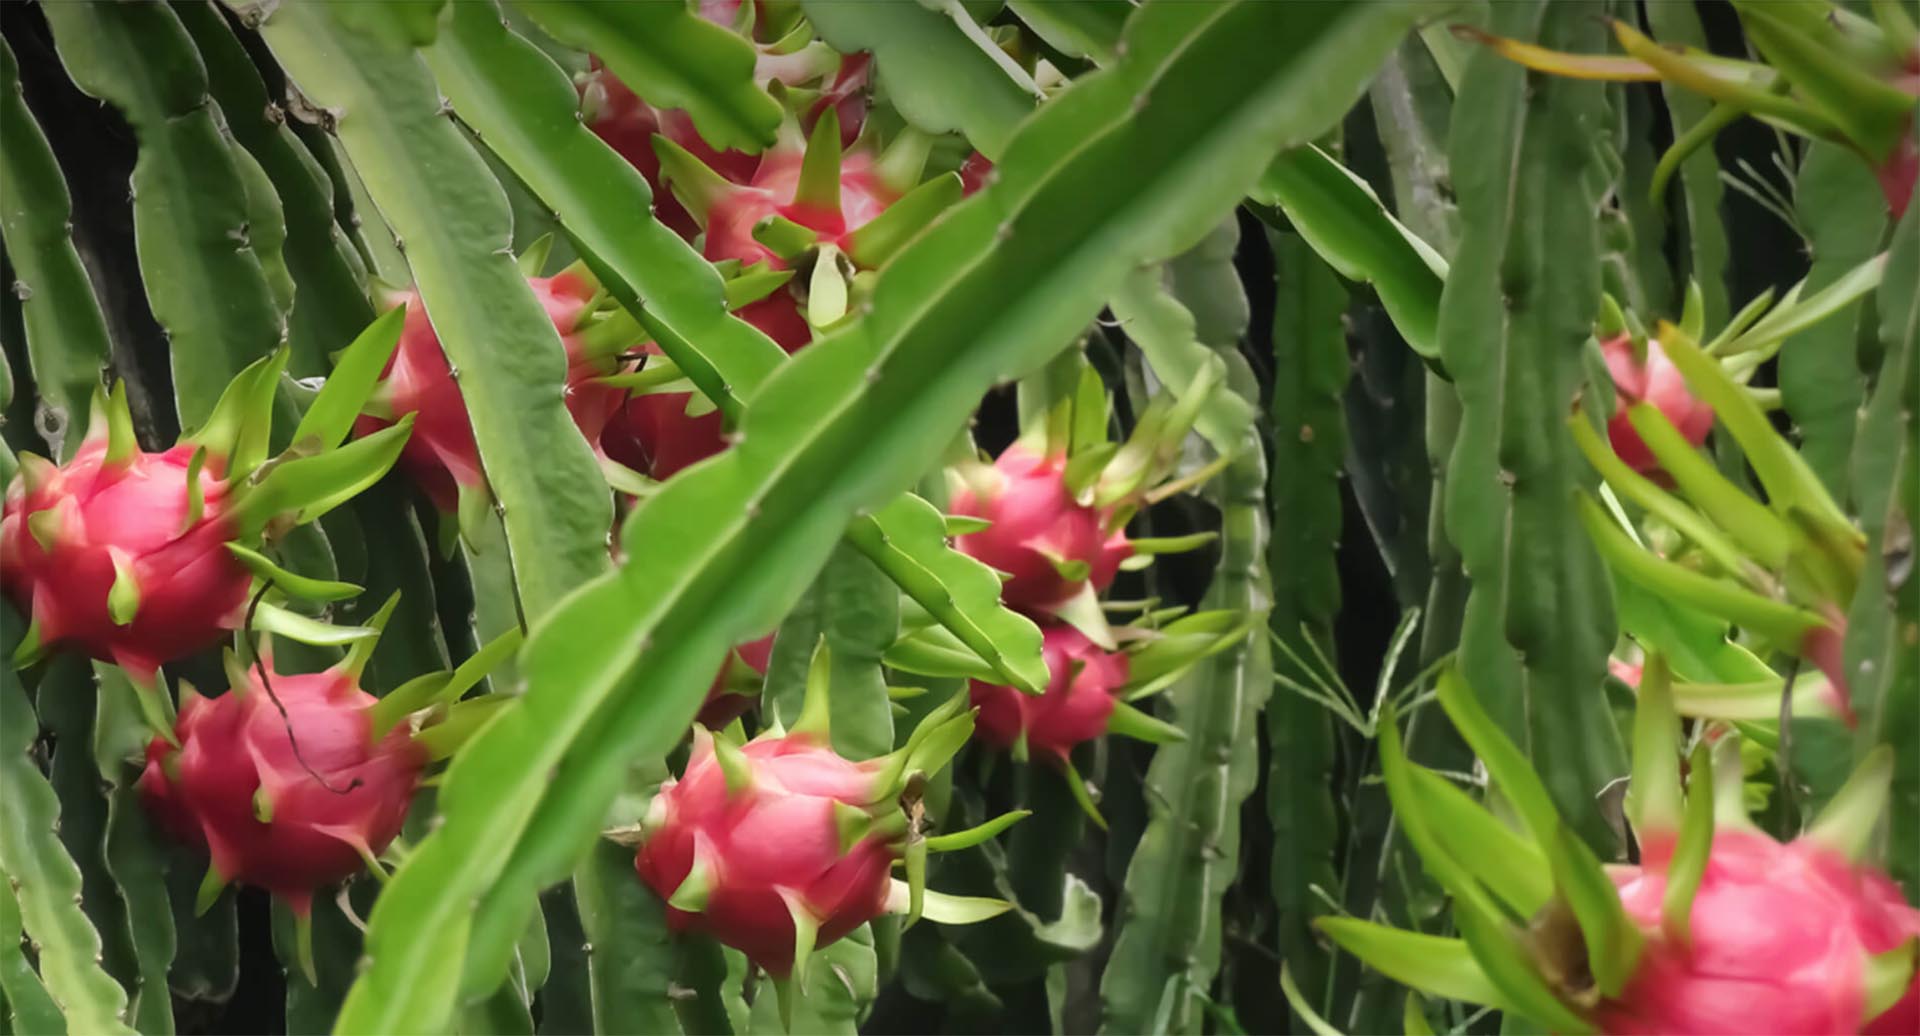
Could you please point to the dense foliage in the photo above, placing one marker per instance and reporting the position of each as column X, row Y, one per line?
column 643, row 516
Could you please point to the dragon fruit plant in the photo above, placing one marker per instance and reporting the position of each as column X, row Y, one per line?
column 780, row 846
column 1132, row 408
column 141, row 558
column 1718, row 928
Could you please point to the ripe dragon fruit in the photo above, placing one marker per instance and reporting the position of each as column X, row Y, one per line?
column 71, row 534
column 140, row 558
column 780, row 846
column 748, row 862
column 1076, row 707
column 1049, row 544
column 628, row 123
column 1765, row 953
column 653, row 433
column 824, row 212
column 1719, row 929
column 1650, row 379
column 286, row 812
column 442, row 456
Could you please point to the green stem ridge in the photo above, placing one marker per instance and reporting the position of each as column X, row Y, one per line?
column 1515, row 315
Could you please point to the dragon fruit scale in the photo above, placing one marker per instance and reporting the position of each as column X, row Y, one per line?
column 1076, row 707
column 140, row 558
column 1653, row 379
column 442, row 456
column 288, row 804
column 1048, row 543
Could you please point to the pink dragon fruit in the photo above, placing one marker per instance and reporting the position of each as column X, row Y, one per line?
column 141, row 558
column 287, row 812
column 1048, row 544
column 746, row 856
column 441, row 456
column 736, row 687
column 1076, row 707
column 70, row 534
column 1654, row 380
column 652, row 433
column 628, row 123
column 1766, row 953
column 821, row 214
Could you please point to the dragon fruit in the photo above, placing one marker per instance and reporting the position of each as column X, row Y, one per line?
column 780, row 846
column 442, row 456
column 818, row 211
column 747, row 863
column 736, row 687
column 1652, row 379
column 653, row 433
column 1720, row 929
column 628, row 123
column 1048, row 543
column 1765, row 954
column 139, row 557
column 1079, row 699
column 71, row 534
column 287, row 804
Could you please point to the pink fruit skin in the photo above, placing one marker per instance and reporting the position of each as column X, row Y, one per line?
column 191, row 589
column 1780, row 935
column 440, row 454
column 1034, row 515
column 1656, row 381
column 776, row 834
column 723, row 707
column 237, row 744
column 1075, row 708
